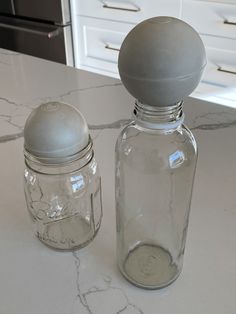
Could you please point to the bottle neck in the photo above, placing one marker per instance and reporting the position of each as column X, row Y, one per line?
column 57, row 165
column 158, row 117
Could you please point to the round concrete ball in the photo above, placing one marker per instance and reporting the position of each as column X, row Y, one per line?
column 55, row 130
column 161, row 61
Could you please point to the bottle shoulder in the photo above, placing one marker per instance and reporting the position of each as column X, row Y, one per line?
column 163, row 144
column 134, row 133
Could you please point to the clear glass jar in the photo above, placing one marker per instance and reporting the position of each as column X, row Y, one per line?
column 155, row 165
column 64, row 199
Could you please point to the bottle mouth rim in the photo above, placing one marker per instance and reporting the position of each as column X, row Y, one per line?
column 158, row 110
column 159, row 117
column 58, row 161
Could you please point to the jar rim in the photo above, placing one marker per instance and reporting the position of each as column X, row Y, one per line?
column 59, row 161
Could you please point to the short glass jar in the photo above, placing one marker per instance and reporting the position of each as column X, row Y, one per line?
column 64, row 200
column 62, row 191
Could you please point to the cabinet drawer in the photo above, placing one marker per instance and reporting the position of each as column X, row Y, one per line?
column 100, row 42
column 132, row 11
column 211, row 17
column 221, row 67
column 221, row 43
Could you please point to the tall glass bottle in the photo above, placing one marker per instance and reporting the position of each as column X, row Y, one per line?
column 155, row 165
column 160, row 62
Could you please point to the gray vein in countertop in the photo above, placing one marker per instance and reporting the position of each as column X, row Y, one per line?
column 87, row 88
column 63, row 96
column 14, row 136
column 24, row 105
column 11, row 137
column 197, row 123
column 213, row 121
column 8, row 118
column 16, row 104
column 100, row 291
column 216, row 126
column 10, row 102
column 80, row 295
column 128, row 304
column 114, row 125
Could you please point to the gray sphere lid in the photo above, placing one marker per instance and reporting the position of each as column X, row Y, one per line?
column 161, row 61
column 55, row 130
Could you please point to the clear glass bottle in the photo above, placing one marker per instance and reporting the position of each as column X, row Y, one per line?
column 61, row 179
column 155, row 165
column 64, row 200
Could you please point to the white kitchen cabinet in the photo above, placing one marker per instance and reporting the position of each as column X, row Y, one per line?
column 100, row 26
column 133, row 11
column 215, row 20
column 221, row 65
column 100, row 41
column 211, row 18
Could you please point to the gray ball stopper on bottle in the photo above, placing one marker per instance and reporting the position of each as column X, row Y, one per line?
column 161, row 61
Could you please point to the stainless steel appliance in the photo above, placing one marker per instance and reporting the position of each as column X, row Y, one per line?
column 40, row 28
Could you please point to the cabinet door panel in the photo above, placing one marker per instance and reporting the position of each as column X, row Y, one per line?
column 100, row 42
column 132, row 11
column 211, row 18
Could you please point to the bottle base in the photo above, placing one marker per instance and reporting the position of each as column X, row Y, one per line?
column 67, row 234
column 150, row 266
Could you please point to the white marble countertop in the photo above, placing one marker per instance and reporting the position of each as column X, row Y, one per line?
column 36, row 280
